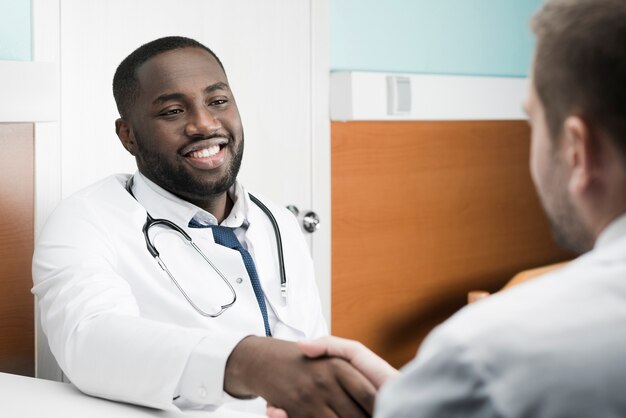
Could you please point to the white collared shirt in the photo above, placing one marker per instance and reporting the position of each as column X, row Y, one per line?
column 117, row 324
column 551, row 347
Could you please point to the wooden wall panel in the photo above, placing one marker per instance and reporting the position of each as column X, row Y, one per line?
column 422, row 213
column 16, row 248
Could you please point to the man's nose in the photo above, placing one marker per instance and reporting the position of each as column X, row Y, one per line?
column 202, row 123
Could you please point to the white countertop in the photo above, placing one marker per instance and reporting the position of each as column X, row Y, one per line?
column 26, row 397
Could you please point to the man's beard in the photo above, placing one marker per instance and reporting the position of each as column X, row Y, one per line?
column 568, row 230
column 180, row 182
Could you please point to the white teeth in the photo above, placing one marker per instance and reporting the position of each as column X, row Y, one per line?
column 205, row 153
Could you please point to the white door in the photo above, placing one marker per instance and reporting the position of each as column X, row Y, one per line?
column 275, row 56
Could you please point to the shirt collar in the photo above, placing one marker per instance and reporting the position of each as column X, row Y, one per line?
column 614, row 231
column 164, row 205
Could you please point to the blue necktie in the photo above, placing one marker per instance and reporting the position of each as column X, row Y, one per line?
column 225, row 236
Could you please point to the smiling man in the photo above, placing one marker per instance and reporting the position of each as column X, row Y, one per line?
column 158, row 130
column 200, row 317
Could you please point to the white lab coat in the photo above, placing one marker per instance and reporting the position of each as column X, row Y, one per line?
column 118, row 326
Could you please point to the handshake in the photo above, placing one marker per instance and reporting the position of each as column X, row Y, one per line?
column 327, row 377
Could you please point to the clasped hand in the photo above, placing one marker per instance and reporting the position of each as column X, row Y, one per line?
column 329, row 377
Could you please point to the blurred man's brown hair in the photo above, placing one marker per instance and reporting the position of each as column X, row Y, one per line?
column 580, row 64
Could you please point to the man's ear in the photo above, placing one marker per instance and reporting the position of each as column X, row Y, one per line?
column 126, row 135
column 581, row 152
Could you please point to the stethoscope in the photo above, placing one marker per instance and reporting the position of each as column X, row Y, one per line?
column 150, row 222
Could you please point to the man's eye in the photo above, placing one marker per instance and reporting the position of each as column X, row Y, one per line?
column 218, row 102
column 170, row 112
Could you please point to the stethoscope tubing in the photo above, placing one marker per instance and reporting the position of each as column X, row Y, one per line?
column 150, row 221
column 279, row 244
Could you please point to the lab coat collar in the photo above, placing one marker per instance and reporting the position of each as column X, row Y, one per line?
column 164, row 205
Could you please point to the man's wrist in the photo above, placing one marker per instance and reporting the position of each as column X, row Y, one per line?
column 242, row 371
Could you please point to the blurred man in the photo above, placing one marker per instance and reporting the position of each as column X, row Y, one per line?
column 553, row 347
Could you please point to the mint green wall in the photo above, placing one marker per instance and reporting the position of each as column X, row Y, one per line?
column 15, row 38
column 476, row 37
column 469, row 37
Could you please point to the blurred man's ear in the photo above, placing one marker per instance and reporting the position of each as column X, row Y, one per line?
column 581, row 153
column 125, row 134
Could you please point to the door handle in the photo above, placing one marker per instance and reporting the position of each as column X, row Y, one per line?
column 309, row 220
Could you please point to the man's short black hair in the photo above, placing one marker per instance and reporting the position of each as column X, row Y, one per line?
column 125, row 83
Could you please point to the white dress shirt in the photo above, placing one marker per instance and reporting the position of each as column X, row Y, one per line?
column 119, row 327
column 549, row 348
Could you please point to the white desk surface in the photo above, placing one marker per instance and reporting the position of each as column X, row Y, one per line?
column 26, row 397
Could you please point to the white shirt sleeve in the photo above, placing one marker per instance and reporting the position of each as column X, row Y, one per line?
column 440, row 382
